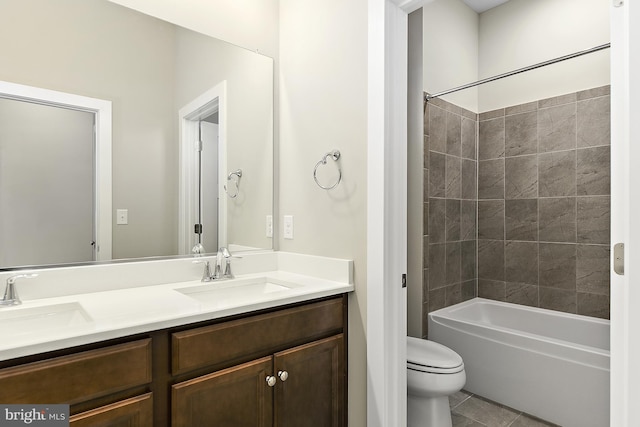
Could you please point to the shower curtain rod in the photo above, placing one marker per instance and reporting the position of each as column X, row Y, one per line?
column 518, row 71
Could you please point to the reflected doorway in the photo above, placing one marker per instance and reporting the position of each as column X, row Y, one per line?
column 46, row 184
column 55, row 177
column 202, row 209
column 208, row 203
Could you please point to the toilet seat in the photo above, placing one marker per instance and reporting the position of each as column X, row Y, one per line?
column 433, row 370
column 431, row 357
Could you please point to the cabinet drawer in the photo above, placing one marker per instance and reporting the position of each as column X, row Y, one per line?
column 134, row 412
column 245, row 339
column 79, row 377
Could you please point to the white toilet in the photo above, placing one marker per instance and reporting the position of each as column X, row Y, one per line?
column 433, row 373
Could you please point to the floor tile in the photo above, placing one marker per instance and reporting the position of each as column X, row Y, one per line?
column 462, row 421
column 458, row 397
column 526, row 421
column 487, row 413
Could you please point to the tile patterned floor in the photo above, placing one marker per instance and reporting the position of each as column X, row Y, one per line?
column 469, row 410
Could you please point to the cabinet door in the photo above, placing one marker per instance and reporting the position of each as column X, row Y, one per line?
column 234, row 397
column 134, row 412
column 313, row 393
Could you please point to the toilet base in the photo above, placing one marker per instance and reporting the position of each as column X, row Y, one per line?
column 428, row 412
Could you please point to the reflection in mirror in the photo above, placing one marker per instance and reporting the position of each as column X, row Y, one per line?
column 149, row 70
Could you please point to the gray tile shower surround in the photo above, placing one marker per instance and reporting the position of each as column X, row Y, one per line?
column 450, row 204
column 517, row 204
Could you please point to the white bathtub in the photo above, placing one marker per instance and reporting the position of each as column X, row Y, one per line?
column 549, row 364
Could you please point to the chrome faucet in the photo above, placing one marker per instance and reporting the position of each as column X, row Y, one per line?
column 222, row 268
column 226, row 259
column 10, row 293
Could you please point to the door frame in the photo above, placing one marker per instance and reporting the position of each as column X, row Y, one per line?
column 207, row 103
column 386, row 357
column 101, row 109
column 387, row 213
column 625, row 209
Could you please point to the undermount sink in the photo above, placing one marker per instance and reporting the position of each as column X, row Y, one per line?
column 236, row 291
column 21, row 320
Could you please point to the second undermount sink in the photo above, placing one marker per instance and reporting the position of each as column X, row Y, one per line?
column 236, row 291
column 24, row 320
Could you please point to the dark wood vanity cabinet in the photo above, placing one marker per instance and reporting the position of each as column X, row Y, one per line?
column 303, row 386
column 285, row 368
column 280, row 367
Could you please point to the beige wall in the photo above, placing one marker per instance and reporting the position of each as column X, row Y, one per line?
column 461, row 46
column 249, row 83
column 524, row 32
column 252, row 24
column 321, row 67
column 44, row 50
column 324, row 106
column 71, row 46
column 450, row 50
column 416, row 144
column 323, row 99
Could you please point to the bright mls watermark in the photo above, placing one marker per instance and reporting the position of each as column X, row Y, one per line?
column 34, row 415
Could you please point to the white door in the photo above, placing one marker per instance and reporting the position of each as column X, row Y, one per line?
column 47, row 185
column 209, row 190
column 625, row 212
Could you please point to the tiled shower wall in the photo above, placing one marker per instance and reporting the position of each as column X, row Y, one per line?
column 524, row 192
column 450, row 196
column 544, row 203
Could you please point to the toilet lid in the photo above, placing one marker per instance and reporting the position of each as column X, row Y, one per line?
column 431, row 354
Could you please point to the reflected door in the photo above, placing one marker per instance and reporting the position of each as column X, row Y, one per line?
column 209, row 189
column 47, row 186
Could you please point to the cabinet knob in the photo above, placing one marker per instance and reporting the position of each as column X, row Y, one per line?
column 271, row 380
column 283, row 375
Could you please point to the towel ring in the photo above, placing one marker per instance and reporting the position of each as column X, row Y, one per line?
column 237, row 174
column 335, row 155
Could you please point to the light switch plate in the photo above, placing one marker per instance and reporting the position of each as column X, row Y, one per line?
column 122, row 216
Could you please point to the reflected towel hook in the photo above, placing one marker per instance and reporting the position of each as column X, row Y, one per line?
column 335, row 155
column 237, row 174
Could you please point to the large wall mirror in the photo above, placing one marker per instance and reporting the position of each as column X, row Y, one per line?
column 191, row 136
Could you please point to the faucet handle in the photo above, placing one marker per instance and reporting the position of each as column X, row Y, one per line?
column 227, row 262
column 206, row 275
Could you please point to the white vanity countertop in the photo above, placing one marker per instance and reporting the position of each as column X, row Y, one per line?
column 57, row 322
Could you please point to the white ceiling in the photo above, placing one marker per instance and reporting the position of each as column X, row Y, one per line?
column 482, row 5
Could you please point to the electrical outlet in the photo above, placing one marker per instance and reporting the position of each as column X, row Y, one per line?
column 288, row 227
column 269, row 226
